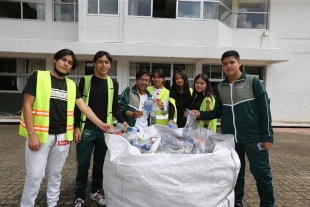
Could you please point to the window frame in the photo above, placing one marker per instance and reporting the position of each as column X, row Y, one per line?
column 98, row 14
column 22, row 11
column 151, row 16
column 190, row 79
column 24, row 75
column 75, row 5
column 76, row 78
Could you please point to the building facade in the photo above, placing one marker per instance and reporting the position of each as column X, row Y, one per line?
column 272, row 38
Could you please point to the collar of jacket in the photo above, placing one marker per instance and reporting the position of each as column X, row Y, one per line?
column 134, row 89
column 242, row 78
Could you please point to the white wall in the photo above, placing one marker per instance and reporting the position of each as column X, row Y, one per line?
column 289, row 85
column 22, row 29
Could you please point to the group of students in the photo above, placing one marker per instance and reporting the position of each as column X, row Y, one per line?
column 56, row 112
column 173, row 102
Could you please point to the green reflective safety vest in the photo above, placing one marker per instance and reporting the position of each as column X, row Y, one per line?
column 161, row 119
column 41, row 107
column 87, row 86
column 172, row 101
column 203, row 107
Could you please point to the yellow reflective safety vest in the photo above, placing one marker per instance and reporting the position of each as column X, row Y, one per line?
column 172, row 101
column 41, row 107
column 87, row 86
column 203, row 107
column 161, row 119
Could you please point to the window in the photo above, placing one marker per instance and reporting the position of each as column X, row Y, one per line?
column 22, row 10
column 103, row 7
column 168, row 68
column 210, row 10
column 66, row 10
column 188, row 9
column 87, row 68
column 140, row 7
column 216, row 75
column 14, row 73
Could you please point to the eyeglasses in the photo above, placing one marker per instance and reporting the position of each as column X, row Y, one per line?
column 154, row 78
column 143, row 80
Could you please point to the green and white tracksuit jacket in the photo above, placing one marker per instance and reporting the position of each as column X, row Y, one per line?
column 244, row 109
column 130, row 96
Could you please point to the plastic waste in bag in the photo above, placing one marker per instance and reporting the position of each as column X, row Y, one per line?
column 172, row 125
column 143, row 145
column 190, row 122
column 172, row 145
column 133, row 129
column 198, row 145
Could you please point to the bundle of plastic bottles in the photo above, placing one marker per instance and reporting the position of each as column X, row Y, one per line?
column 167, row 144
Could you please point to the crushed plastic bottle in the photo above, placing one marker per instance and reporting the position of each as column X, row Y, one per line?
column 172, row 145
column 190, row 122
column 133, row 129
column 143, row 145
column 119, row 129
column 172, row 125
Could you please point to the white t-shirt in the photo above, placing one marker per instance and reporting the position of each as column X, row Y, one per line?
column 142, row 122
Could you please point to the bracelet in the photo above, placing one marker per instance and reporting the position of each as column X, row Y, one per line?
column 31, row 133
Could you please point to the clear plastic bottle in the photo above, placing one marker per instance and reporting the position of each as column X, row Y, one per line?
column 156, row 100
column 119, row 129
column 147, row 108
column 172, row 125
column 133, row 129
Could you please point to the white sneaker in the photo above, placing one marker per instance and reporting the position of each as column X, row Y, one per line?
column 98, row 196
column 79, row 202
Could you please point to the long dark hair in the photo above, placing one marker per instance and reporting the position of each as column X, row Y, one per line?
column 176, row 89
column 208, row 91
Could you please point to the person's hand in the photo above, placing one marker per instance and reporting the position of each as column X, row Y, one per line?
column 160, row 105
column 137, row 114
column 125, row 124
column 267, row 145
column 196, row 112
column 77, row 135
column 171, row 121
column 33, row 142
column 105, row 127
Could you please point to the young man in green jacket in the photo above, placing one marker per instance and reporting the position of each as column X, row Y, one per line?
column 243, row 106
column 132, row 100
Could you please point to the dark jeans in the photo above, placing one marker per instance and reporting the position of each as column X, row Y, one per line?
column 260, row 169
column 91, row 140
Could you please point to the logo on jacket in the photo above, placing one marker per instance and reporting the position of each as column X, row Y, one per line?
column 241, row 87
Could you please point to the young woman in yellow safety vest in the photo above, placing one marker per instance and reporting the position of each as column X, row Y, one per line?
column 47, row 123
column 158, row 89
column 203, row 99
column 180, row 98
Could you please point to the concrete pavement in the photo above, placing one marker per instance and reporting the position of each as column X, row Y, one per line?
column 290, row 160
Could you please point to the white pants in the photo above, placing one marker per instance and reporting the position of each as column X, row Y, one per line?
column 54, row 154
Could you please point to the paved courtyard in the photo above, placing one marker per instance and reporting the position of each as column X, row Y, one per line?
column 290, row 160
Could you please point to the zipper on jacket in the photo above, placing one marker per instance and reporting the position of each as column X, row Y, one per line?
column 232, row 110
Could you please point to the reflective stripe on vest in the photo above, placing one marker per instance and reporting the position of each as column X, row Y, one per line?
column 86, row 91
column 172, row 101
column 160, row 118
column 203, row 107
column 41, row 106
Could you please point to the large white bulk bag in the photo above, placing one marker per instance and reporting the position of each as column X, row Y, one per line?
column 132, row 179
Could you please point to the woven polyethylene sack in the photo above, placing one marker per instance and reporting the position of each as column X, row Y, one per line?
column 132, row 179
